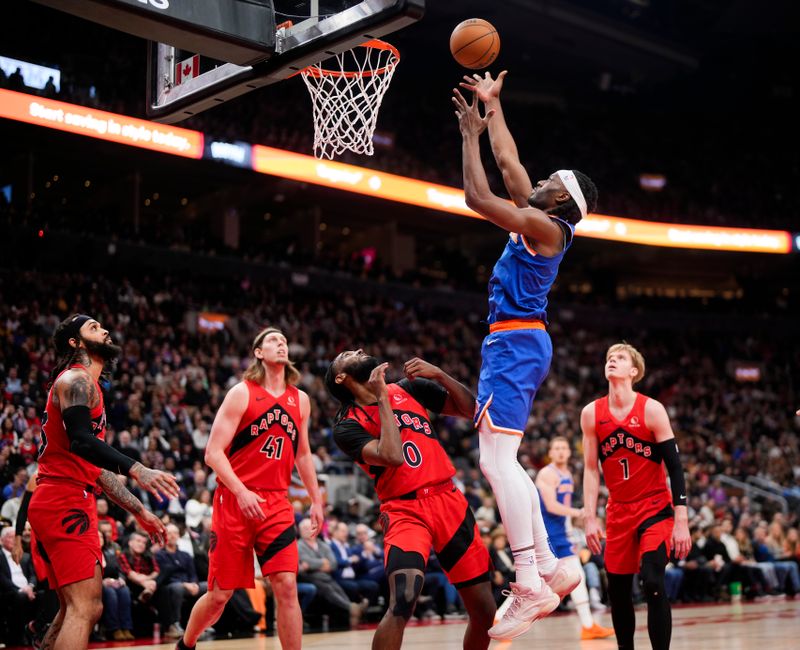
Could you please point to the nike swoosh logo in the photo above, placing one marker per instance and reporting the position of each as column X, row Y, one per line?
column 492, row 341
column 604, row 421
column 258, row 399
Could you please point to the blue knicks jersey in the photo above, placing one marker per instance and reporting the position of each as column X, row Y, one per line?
column 556, row 525
column 521, row 280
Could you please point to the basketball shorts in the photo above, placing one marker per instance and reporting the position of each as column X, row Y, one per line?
column 514, row 364
column 63, row 518
column 444, row 522
column 234, row 537
column 636, row 528
column 560, row 543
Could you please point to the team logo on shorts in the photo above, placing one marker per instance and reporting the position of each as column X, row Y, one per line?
column 383, row 520
column 76, row 520
column 212, row 542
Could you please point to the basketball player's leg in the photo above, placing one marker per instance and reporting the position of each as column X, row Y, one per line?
column 620, row 595
column 290, row 618
column 49, row 640
column 514, row 364
column 580, row 598
column 479, row 603
column 205, row 613
column 406, row 576
column 84, row 606
column 230, row 567
column 276, row 550
column 655, row 537
column 622, row 563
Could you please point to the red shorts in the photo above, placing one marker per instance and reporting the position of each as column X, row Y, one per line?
column 445, row 522
column 63, row 517
column 633, row 529
column 39, row 565
column 234, row 537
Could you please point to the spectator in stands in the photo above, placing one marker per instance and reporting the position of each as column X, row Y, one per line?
column 16, row 81
column 177, row 581
column 317, row 564
column 197, row 507
column 140, row 568
column 116, row 621
column 16, row 488
column 347, row 561
column 788, row 575
column 16, row 589
column 503, row 563
column 125, row 445
column 103, row 516
column 370, row 564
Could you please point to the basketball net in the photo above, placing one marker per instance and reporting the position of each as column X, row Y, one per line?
column 346, row 97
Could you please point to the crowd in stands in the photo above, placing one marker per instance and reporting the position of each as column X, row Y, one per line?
column 165, row 390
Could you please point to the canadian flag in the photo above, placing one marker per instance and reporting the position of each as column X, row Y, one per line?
column 187, row 69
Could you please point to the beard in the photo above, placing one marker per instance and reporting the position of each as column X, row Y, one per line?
column 108, row 352
column 362, row 369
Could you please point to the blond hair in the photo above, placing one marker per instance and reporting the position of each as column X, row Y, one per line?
column 636, row 357
column 255, row 371
column 558, row 439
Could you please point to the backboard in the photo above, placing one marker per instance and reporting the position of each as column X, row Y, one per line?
column 181, row 83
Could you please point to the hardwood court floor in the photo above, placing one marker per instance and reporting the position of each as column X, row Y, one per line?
column 770, row 625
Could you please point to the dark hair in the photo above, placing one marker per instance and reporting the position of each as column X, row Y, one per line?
column 66, row 355
column 569, row 210
column 341, row 394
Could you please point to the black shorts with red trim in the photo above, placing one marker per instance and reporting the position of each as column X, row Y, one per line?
column 234, row 537
column 633, row 529
column 445, row 522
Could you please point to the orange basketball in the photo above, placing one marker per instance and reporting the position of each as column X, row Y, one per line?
column 474, row 43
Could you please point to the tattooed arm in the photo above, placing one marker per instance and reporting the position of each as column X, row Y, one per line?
column 77, row 394
column 120, row 495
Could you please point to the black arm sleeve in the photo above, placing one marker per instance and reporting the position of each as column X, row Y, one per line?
column 428, row 393
column 22, row 515
column 669, row 452
column 78, row 424
column 351, row 438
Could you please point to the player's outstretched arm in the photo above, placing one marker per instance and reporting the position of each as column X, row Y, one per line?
column 530, row 222
column 591, row 480
column 516, row 179
column 305, row 466
column 77, row 394
column 460, row 401
column 120, row 495
column 222, row 432
column 657, row 420
column 547, row 484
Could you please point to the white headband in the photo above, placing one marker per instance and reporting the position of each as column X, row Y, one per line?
column 567, row 177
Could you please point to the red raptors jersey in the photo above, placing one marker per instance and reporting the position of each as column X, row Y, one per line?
column 263, row 449
column 56, row 461
column 426, row 463
column 632, row 463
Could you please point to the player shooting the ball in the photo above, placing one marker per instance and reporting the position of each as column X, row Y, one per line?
column 517, row 352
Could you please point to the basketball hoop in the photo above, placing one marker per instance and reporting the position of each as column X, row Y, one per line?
column 346, row 98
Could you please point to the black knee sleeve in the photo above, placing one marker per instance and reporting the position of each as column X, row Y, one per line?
column 407, row 588
column 652, row 573
column 406, row 578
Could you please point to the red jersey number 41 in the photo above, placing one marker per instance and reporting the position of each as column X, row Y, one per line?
column 273, row 447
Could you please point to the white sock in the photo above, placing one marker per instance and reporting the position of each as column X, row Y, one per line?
column 580, row 597
column 512, row 492
column 594, row 596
